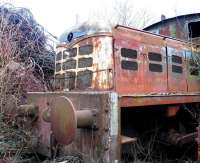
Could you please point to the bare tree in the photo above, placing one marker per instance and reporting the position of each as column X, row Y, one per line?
column 123, row 13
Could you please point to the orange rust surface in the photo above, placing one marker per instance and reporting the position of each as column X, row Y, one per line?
column 148, row 101
column 172, row 110
column 176, row 81
column 102, row 60
column 108, row 74
column 42, row 129
column 146, row 82
column 63, row 120
column 104, row 142
column 142, row 80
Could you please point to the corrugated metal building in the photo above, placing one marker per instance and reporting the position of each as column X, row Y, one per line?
column 184, row 27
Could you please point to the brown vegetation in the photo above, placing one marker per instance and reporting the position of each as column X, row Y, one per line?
column 26, row 64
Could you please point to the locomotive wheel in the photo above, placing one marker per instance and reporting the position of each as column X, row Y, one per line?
column 63, row 120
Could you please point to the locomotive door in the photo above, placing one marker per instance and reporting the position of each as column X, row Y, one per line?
column 128, row 63
column 155, row 67
column 176, row 66
column 140, row 62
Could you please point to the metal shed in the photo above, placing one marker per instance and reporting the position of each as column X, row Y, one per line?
column 184, row 27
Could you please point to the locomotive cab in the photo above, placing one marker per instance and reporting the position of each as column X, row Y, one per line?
column 85, row 64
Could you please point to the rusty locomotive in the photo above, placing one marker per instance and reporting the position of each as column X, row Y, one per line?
column 116, row 91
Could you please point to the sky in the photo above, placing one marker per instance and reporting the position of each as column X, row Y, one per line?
column 59, row 15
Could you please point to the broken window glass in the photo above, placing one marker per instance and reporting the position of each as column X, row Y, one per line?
column 193, row 28
column 69, row 53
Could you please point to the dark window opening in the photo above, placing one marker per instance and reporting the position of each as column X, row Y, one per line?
column 177, row 69
column 84, row 79
column 194, row 31
column 58, row 67
column 129, row 53
column 194, row 71
column 1, row 62
column 69, row 53
column 65, row 54
column 155, row 67
column 69, row 81
column 129, row 65
column 155, row 57
column 85, row 50
column 176, row 59
column 58, row 56
column 84, row 62
column 59, row 82
column 70, row 64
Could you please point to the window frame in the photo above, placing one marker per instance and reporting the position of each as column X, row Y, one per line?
column 152, row 58
column 125, row 53
column 153, row 62
column 81, row 52
column 129, row 61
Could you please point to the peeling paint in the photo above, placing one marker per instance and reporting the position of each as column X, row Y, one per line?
column 114, row 115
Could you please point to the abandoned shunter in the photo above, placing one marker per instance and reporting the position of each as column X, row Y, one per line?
column 127, row 92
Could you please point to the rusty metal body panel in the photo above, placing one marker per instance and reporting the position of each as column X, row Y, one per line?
column 101, row 144
column 176, row 80
column 100, row 68
column 161, row 64
column 127, row 68
column 140, row 80
column 150, row 100
column 174, row 77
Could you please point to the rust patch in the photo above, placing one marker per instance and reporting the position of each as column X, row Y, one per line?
column 92, row 62
column 63, row 120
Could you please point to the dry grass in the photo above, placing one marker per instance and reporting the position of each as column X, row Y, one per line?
column 26, row 64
